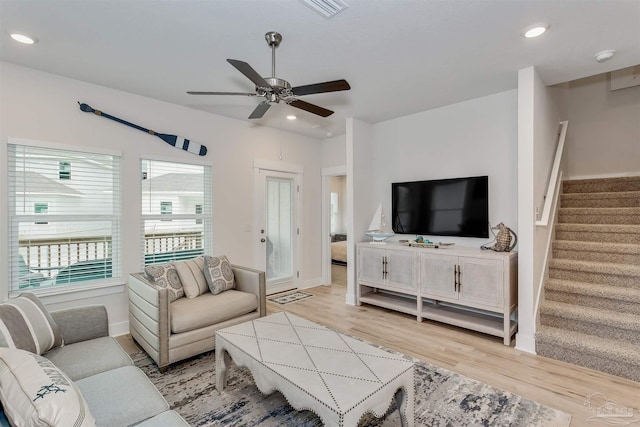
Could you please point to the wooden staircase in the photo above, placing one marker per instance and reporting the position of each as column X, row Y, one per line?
column 591, row 312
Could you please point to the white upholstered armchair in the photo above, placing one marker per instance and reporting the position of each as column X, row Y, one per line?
column 173, row 331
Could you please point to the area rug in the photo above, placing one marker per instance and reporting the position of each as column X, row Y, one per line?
column 443, row 398
column 289, row 298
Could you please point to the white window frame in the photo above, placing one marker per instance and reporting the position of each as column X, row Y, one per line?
column 205, row 218
column 82, row 289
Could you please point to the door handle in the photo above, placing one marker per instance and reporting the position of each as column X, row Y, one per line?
column 263, row 240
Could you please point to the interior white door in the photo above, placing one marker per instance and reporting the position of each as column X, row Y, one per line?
column 276, row 195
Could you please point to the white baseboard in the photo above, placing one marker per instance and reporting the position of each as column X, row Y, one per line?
column 604, row 175
column 312, row 283
column 526, row 343
column 120, row 328
column 351, row 299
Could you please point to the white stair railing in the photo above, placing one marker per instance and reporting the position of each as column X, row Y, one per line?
column 550, row 205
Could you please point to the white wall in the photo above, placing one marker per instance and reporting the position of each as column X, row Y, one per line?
column 603, row 137
column 540, row 111
column 476, row 137
column 548, row 112
column 41, row 106
column 360, row 202
column 334, row 151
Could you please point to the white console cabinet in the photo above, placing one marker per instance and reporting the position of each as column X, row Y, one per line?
column 466, row 287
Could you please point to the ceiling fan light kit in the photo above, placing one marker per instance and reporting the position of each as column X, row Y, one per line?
column 274, row 89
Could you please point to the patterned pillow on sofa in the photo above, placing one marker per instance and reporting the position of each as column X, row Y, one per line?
column 26, row 324
column 217, row 271
column 165, row 276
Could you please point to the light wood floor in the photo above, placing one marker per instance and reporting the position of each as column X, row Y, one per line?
column 482, row 357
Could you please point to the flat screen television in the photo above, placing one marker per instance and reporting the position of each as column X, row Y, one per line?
column 444, row 207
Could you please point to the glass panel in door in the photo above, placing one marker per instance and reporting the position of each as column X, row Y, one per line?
column 279, row 229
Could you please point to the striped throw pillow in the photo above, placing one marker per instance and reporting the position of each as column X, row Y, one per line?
column 26, row 324
column 36, row 393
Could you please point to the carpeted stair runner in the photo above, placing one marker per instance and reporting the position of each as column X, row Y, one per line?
column 591, row 310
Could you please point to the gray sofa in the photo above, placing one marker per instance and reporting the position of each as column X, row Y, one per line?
column 173, row 331
column 116, row 392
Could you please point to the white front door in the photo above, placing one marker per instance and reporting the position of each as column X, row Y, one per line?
column 276, row 196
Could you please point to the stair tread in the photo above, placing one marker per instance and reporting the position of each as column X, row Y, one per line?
column 591, row 315
column 601, row 211
column 613, row 349
column 599, row 267
column 602, row 195
column 594, row 289
column 601, row 180
column 601, row 228
column 607, row 247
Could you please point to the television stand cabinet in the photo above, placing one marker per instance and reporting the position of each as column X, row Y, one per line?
column 466, row 287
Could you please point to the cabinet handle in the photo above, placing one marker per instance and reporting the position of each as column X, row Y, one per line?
column 455, row 278
column 459, row 279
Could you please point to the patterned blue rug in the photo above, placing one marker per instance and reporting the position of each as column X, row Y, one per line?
column 443, row 398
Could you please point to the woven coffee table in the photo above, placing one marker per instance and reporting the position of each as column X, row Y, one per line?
column 337, row 377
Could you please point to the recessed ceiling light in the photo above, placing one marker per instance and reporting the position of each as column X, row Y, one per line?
column 605, row 55
column 291, row 117
column 23, row 38
column 536, row 31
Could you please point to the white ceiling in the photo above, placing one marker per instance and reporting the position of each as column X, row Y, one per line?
column 400, row 56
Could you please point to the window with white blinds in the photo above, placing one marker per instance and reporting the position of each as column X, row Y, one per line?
column 64, row 217
column 176, row 211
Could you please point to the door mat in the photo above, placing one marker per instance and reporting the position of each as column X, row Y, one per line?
column 289, row 298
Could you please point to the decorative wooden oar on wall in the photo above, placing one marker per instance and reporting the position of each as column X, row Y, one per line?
column 176, row 141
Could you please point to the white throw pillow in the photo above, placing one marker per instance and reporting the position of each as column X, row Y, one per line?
column 35, row 392
column 218, row 273
column 165, row 276
column 192, row 276
column 26, row 324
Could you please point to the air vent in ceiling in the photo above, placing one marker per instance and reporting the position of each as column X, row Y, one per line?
column 326, row 8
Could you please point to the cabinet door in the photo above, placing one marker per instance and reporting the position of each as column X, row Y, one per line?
column 370, row 266
column 401, row 269
column 437, row 276
column 481, row 281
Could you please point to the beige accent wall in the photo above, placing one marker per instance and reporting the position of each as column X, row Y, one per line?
column 604, row 128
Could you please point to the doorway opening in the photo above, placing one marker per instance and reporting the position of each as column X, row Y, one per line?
column 276, row 219
column 335, row 239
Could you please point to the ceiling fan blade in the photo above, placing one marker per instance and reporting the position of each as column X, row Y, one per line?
column 333, row 86
column 260, row 110
column 323, row 112
column 192, row 92
column 249, row 72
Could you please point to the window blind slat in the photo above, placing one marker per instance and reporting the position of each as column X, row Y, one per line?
column 176, row 211
column 64, row 216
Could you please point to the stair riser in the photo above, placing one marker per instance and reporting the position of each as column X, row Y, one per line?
column 613, row 367
column 601, row 203
column 600, row 187
column 586, row 327
column 588, row 236
column 598, row 219
column 633, row 259
column 590, row 277
column 617, row 306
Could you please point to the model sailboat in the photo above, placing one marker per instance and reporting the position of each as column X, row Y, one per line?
column 379, row 230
